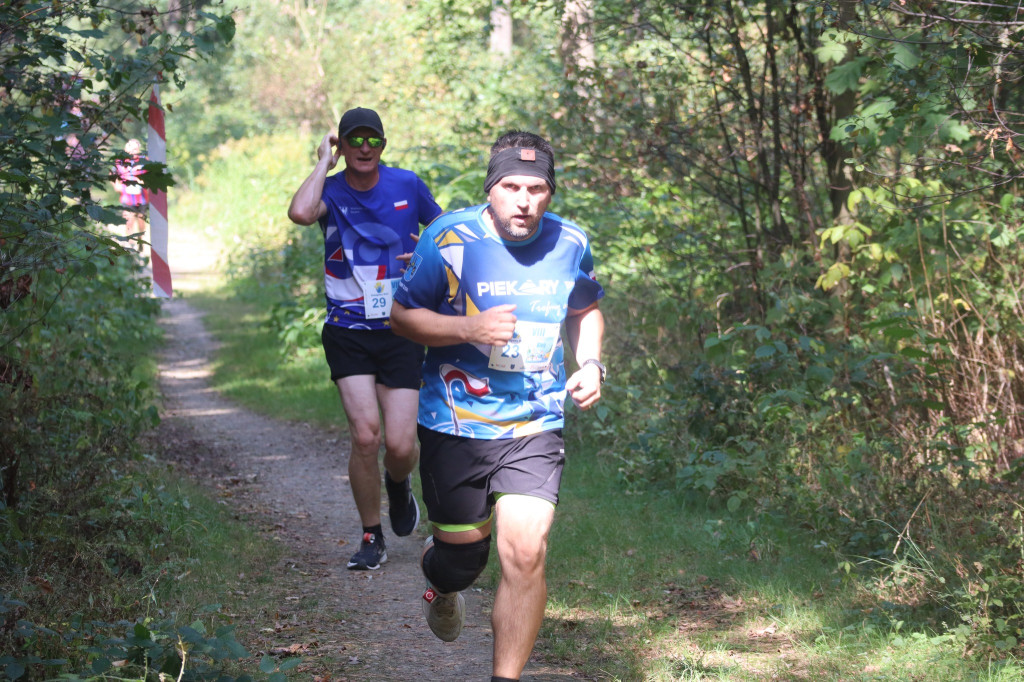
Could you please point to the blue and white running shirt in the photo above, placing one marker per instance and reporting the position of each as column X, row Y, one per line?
column 364, row 232
column 462, row 267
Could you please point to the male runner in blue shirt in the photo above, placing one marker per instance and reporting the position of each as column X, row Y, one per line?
column 488, row 289
column 370, row 215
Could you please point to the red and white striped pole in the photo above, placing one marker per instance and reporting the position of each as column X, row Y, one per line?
column 157, row 151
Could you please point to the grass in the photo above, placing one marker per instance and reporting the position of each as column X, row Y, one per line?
column 250, row 369
column 221, row 575
column 106, row 552
column 145, row 549
column 650, row 586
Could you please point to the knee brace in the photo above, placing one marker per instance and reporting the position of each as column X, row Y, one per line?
column 452, row 568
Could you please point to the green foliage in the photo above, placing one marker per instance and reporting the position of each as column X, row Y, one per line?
column 980, row 597
column 86, row 589
column 127, row 651
column 74, row 81
column 80, row 392
column 71, row 80
column 925, row 91
column 73, row 515
column 812, row 293
column 241, row 203
column 290, row 69
column 255, row 369
column 76, row 328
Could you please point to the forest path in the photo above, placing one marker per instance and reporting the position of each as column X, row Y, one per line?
column 289, row 481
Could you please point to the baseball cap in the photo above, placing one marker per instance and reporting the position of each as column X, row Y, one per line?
column 360, row 118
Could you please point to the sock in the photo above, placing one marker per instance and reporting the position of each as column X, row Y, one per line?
column 495, row 678
column 377, row 531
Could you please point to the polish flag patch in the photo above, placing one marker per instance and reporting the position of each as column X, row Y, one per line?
column 401, row 205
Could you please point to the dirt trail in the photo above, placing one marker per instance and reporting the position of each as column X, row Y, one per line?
column 290, row 481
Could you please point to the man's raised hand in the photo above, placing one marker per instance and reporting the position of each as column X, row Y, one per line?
column 331, row 148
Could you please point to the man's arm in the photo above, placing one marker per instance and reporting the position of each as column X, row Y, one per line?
column 584, row 329
column 307, row 207
column 492, row 327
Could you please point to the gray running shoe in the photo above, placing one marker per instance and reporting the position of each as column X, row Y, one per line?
column 445, row 613
column 402, row 507
column 371, row 554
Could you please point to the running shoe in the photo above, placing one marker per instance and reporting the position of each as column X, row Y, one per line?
column 445, row 612
column 402, row 507
column 371, row 554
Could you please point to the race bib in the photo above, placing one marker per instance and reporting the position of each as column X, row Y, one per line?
column 529, row 349
column 378, row 296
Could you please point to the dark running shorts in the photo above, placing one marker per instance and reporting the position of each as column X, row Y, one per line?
column 462, row 476
column 396, row 362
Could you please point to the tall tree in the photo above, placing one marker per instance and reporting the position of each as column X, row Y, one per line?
column 501, row 28
column 577, row 46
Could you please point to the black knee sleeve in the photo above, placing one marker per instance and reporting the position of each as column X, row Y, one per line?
column 452, row 568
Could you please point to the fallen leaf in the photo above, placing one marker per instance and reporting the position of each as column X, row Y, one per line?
column 43, row 584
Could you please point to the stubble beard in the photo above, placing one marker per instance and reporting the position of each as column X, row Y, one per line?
column 509, row 231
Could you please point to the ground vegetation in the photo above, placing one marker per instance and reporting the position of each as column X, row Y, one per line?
column 806, row 215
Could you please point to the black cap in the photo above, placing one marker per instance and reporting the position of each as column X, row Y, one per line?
column 360, row 118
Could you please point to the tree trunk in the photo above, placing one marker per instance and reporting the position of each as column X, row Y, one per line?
column 840, row 175
column 501, row 29
column 577, row 47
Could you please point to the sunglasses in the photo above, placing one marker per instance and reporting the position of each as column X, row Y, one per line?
column 374, row 142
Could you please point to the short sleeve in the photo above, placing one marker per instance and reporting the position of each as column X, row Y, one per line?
column 424, row 284
column 587, row 290
column 427, row 206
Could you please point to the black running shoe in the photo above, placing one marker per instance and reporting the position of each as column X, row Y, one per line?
column 402, row 507
column 371, row 554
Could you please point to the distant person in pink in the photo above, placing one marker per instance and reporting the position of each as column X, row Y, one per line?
column 133, row 196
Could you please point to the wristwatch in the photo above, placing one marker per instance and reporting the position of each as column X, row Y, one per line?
column 596, row 363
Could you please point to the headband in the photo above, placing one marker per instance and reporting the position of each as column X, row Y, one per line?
column 520, row 161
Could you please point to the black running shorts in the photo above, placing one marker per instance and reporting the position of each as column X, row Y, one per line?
column 396, row 362
column 461, row 477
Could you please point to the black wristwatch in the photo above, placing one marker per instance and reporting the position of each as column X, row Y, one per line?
column 596, row 363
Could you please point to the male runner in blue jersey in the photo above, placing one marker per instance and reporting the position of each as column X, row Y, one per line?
column 487, row 290
column 370, row 216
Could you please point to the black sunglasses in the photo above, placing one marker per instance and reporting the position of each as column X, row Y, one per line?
column 356, row 141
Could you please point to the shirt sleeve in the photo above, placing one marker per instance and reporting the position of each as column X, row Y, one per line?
column 587, row 290
column 428, row 208
column 424, row 284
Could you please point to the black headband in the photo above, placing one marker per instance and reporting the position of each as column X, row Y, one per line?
column 520, row 161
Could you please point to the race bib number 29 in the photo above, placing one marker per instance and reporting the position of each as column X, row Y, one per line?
column 378, row 296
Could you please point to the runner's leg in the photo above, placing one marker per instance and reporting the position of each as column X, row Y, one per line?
column 522, row 524
column 399, row 406
column 359, row 399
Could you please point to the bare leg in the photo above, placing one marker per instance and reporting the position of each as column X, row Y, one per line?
column 523, row 524
column 401, row 453
column 359, row 398
column 141, row 225
column 129, row 222
column 134, row 224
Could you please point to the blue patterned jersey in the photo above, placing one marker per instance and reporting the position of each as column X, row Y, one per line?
column 364, row 232
column 462, row 267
